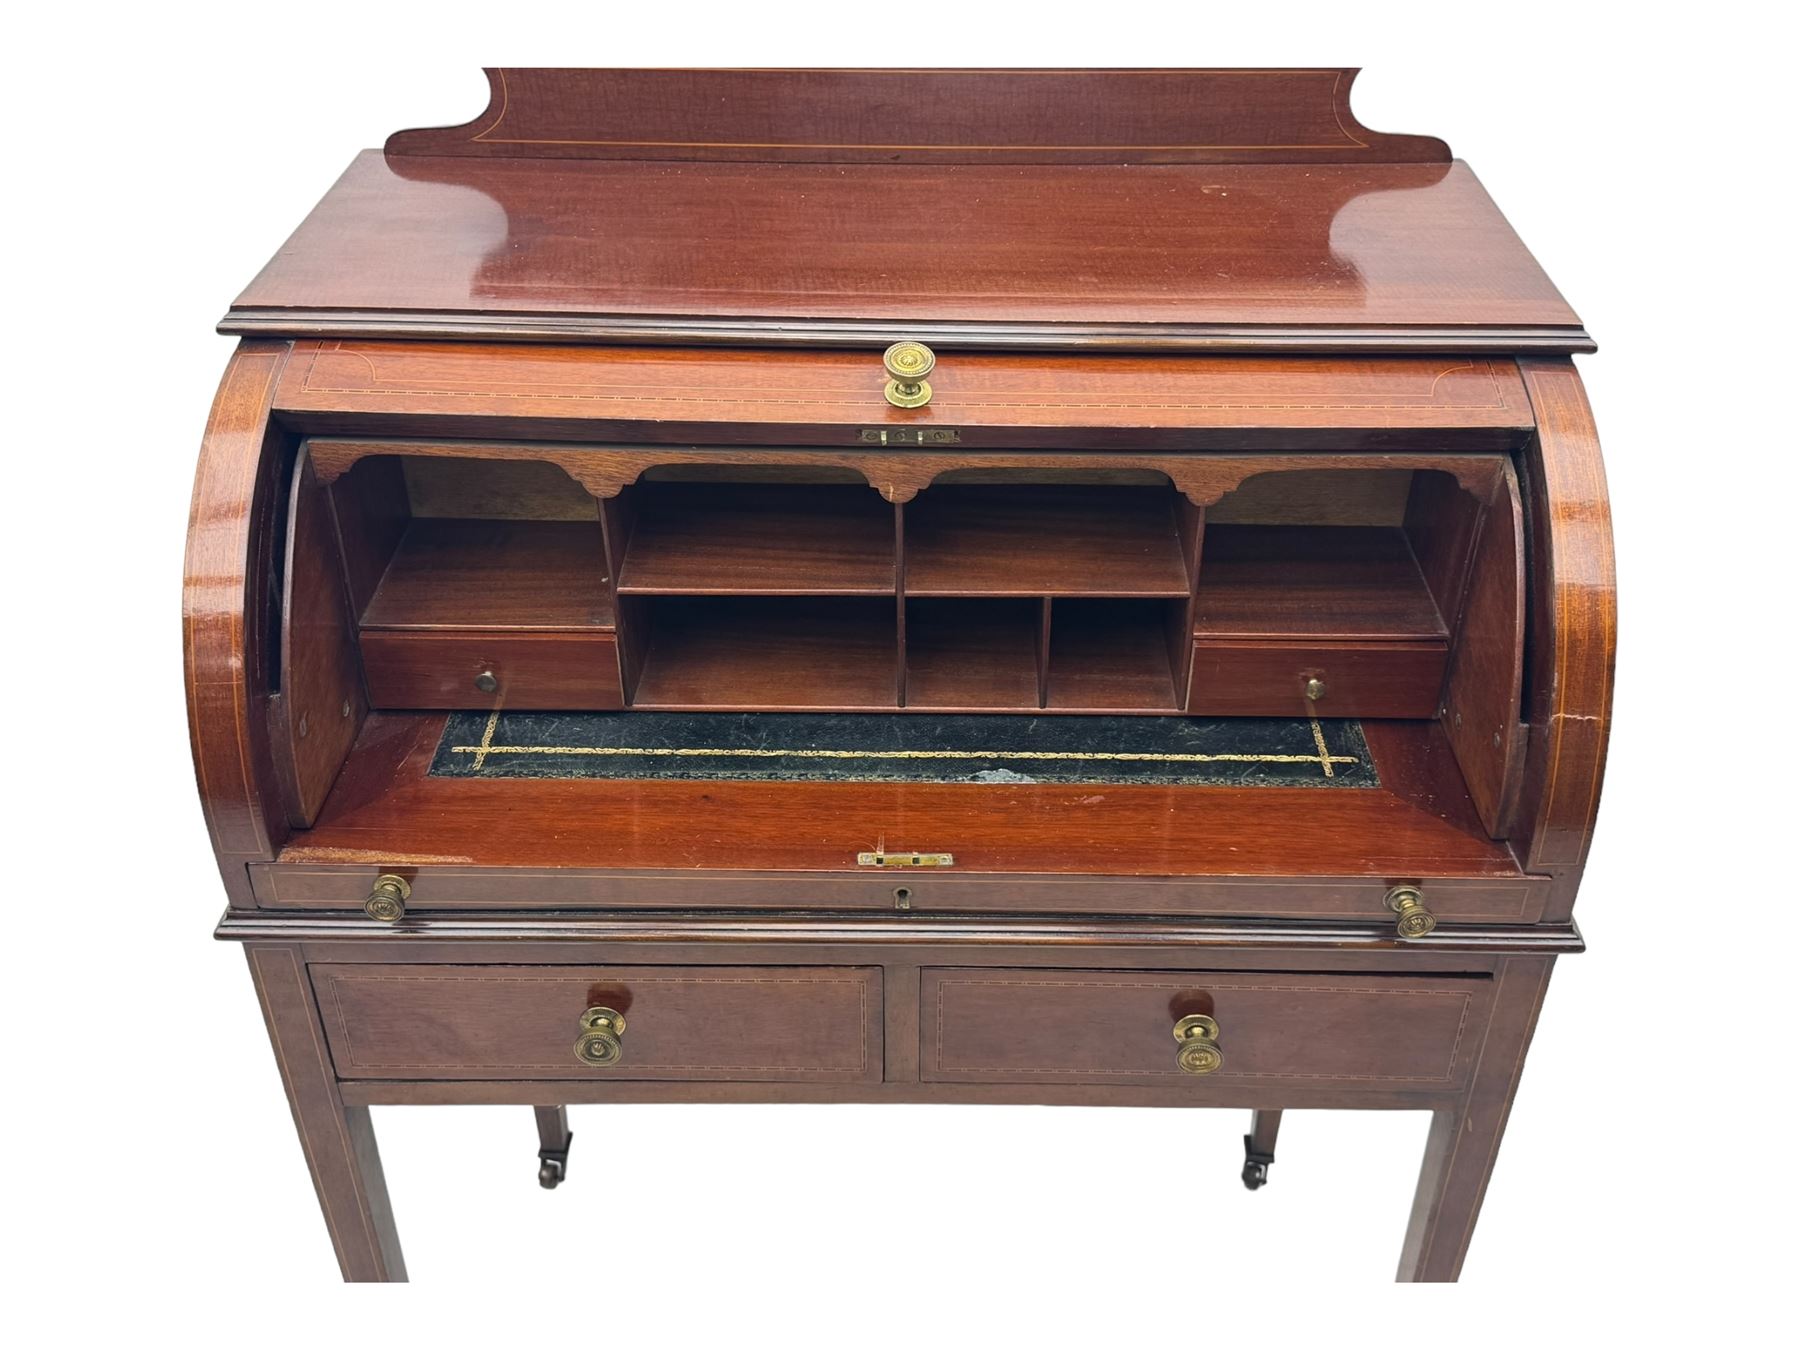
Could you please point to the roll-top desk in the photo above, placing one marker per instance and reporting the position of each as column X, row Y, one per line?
column 896, row 586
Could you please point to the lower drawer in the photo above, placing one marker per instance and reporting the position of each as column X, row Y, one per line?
column 1356, row 679
column 553, row 671
column 1112, row 1027
column 756, row 1023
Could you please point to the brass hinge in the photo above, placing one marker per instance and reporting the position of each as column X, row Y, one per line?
column 884, row 859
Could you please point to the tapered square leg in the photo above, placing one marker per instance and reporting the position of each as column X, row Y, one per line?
column 1465, row 1139
column 554, row 1138
column 338, row 1140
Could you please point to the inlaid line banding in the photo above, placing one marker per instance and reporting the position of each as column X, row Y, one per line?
column 485, row 749
column 1009, row 749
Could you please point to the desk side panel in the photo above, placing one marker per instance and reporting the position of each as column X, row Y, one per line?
column 226, row 609
column 1571, row 633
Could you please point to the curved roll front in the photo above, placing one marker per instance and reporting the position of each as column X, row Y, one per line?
column 1574, row 634
column 224, row 611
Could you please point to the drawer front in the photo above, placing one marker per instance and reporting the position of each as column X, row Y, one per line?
column 726, row 1023
column 556, row 671
column 1361, row 679
column 1118, row 1028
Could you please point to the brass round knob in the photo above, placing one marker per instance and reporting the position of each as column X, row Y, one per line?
column 1197, row 1042
column 599, row 1043
column 908, row 363
column 1315, row 689
column 486, row 682
column 1415, row 920
column 387, row 901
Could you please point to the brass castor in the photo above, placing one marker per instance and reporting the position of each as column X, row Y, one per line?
column 551, row 1172
column 1256, row 1167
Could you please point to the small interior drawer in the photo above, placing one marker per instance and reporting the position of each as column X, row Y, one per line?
column 1113, row 1027
column 526, row 670
column 748, row 1023
column 1355, row 679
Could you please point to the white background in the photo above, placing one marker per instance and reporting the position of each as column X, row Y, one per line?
column 157, row 156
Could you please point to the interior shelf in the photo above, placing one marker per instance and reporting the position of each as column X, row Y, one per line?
column 1331, row 582
column 1111, row 656
column 1060, row 597
column 972, row 655
column 759, row 539
column 494, row 574
column 1043, row 540
column 749, row 653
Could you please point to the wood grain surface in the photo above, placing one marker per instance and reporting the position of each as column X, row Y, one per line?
column 1574, row 630
column 913, row 116
column 1043, row 1026
column 389, row 808
column 544, row 670
column 235, row 526
column 740, row 1023
column 1146, row 257
column 315, row 714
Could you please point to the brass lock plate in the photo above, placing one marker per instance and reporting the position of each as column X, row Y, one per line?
column 886, row 859
column 910, row 436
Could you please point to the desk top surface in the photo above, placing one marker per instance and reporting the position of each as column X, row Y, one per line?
column 1372, row 243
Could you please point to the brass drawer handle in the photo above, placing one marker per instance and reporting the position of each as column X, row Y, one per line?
column 599, row 1044
column 1415, row 920
column 1197, row 1037
column 908, row 363
column 387, row 901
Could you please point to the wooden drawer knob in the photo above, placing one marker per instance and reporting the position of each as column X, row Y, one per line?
column 599, row 1044
column 387, row 901
column 1414, row 921
column 1197, row 1045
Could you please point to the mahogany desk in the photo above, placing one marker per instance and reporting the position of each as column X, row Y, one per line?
column 896, row 586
